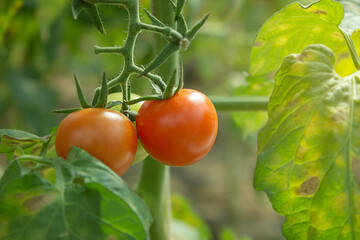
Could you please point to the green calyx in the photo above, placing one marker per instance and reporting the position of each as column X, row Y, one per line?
column 99, row 99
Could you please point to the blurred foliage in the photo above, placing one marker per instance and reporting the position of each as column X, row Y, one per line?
column 230, row 234
column 186, row 223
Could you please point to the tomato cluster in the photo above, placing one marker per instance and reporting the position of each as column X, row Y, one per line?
column 178, row 131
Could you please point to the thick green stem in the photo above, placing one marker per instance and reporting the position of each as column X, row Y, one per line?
column 154, row 187
column 223, row 104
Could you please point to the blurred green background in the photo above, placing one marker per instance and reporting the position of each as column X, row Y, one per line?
column 42, row 46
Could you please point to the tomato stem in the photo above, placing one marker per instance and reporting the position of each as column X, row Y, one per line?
column 231, row 104
column 154, row 188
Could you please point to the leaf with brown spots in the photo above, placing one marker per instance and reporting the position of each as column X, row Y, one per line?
column 308, row 159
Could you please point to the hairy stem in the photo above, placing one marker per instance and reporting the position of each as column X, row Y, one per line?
column 167, row 31
column 127, row 50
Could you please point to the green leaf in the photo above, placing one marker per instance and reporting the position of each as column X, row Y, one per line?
column 91, row 9
column 11, row 139
column 295, row 27
column 167, row 51
column 87, row 201
column 309, row 156
column 192, row 33
column 13, row 171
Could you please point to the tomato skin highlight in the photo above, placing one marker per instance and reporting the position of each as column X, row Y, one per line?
column 178, row 131
column 105, row 134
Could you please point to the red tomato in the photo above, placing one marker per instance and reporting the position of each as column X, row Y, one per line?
column 105, row 134
column 178, row 131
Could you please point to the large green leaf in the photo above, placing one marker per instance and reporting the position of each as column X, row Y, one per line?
column 87, row 201
column 309, row 155
column 295, row 27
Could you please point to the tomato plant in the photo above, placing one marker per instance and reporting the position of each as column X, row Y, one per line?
column 307, row 157
column 180, row 130
column 105, row 134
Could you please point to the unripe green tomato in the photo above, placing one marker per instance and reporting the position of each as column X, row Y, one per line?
column 141, row 154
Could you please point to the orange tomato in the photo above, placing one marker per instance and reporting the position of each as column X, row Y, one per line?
column 105, row 134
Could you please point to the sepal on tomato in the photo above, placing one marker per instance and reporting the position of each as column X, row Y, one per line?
column 81, row 97
column 175, row 80
column 169, row 91
column 101, row 101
